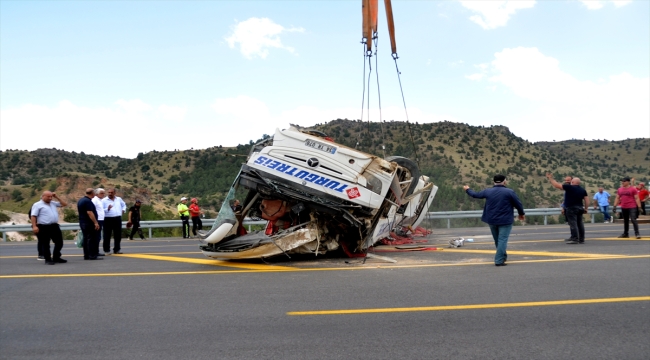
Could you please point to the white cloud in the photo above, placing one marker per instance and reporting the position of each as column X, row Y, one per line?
column 256, row 35
column 475, row 77
column 568, row 107
column 482, row 68
column 244, row 118
column 172, row 113
column 493, row 14
column 136, row 105
column 123, row 129
column 242, row 107
column 599, row 4
column 455, row 64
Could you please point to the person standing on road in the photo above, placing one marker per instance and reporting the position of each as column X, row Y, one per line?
column 45, row 225
column 134, row 219
column 100, row 194
column 601, row 200
column 89, row 225
column 643, row 196
column 498, row 214
column 184, row 213
column 628, row 196
column 114, row 207
column 195, row 213
column 573, row 202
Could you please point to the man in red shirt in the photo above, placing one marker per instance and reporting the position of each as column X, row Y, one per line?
column 195, row 214
column 628, row 197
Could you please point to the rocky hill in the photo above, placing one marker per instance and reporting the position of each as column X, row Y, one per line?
column 452, row 154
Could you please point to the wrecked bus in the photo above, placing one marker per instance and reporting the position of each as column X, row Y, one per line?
column 317, row 196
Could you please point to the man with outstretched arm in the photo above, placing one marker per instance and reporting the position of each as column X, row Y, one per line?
column 574, row 197
column 498, row 213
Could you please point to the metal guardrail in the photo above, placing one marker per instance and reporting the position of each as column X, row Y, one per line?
column 143, row 224
column 546, row 212
column 248, row 222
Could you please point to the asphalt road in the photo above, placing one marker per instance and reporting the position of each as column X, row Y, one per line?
column 162, row 299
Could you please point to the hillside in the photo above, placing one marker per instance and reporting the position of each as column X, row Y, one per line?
column 452, row 154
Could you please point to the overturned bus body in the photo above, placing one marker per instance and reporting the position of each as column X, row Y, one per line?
column 317, row 196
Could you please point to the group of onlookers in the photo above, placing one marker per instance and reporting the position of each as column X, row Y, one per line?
column 631, row 199
column 100, row 216
column 500, row 201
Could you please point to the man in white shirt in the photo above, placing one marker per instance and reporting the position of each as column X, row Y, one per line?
column 45, row 225
column 114, row 207
column 97, row 200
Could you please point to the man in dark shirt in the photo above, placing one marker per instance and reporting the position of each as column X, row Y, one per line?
column 134, row 219
column 576, row 203
column 498, row 214
column 89, row 225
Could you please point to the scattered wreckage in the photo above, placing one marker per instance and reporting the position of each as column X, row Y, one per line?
column 317, row 196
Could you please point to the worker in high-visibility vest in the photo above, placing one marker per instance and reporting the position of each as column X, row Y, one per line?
column 184, row 212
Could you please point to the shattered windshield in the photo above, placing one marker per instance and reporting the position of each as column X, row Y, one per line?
column 226, row 213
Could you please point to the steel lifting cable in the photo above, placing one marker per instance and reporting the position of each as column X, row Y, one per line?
column 408, row 123
column 363, row 81
column 369, row 56
column 381, row 126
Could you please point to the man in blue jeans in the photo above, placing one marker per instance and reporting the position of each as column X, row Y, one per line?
column 498, row 213
column 601, row 199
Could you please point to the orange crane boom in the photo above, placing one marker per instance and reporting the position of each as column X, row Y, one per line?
column 369, row 10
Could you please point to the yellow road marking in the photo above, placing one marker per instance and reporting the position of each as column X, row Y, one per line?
column 643, row 238
column 273, row 269
column 531, row 253
column 208, row 262
column 470, row 307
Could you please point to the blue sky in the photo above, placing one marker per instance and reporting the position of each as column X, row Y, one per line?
column 122, row 77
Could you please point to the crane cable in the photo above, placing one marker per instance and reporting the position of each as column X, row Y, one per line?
column 369, row 33
column 408, row 123
column 381, row 119
column 363, row 80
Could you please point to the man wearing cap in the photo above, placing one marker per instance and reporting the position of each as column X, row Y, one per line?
column 45, row 225
column 134, row 219
column 184, row 212
column 573, row 203
column 498, row 214
column 114, row 207
column 628, row 196
column 601, row 200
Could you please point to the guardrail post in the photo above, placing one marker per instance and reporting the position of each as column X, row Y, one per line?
column 448, row 223
column 593, row 218
column 4, row 236
column 149, row 233
column 545, row 222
